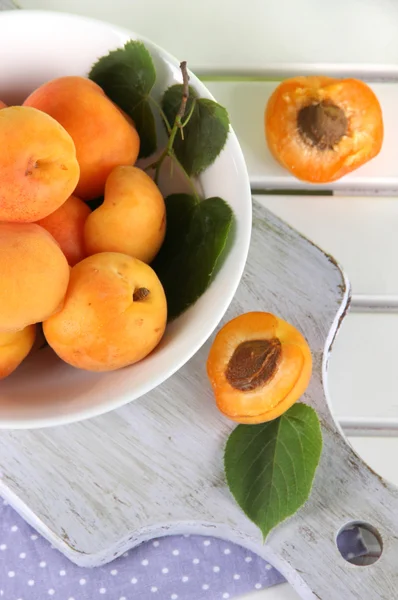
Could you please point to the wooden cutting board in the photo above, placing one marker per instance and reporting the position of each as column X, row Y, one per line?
column 155, row 467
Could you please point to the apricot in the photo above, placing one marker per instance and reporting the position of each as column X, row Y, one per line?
column 132, row 218
column 14, row 348
column 66, row 225
column 321, row 128
column 114, row 314
column 3, row 104
column 258, row 366
column 38, row 165
column 34, row 275
column 104, row 138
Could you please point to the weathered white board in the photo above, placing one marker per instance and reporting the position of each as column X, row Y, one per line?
column 155, row 467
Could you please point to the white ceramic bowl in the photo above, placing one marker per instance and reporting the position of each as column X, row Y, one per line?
column 37, row 46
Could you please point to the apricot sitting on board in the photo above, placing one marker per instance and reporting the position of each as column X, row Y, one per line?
column 38, row 165
column 114, row 314
column 34, row 275
column 66, row 225
column 258, row 366
column 321, row 128
column 14, row 348
column 104, row 138
column 132, row 218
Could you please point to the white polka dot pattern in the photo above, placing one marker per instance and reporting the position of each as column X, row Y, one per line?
column 170, row 568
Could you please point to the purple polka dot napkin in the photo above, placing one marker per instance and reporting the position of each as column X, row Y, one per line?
column 170, row 568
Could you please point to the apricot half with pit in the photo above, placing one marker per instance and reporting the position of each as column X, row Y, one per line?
column 114, row 314
column 321, row 128
column 258, row 366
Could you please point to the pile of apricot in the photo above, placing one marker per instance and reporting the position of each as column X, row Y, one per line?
column 84, row 275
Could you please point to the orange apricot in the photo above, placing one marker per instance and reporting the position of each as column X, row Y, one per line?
column 321, row 128
column 34, row 275
column 3, row 104
column 258, row 366
column 114, row 314
column 38, row 165
column 66, row 225
column 104, row 138
column 132, row 218
column 14, row 348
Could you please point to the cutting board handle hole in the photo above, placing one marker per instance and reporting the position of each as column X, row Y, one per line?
column 359, row 543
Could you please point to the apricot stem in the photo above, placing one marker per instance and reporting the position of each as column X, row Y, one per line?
column 162, row 113
column 178, row 125
column 188, row 117
column 140, row 294
column 185, row 91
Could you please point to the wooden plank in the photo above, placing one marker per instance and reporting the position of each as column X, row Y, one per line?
column 360, row 232
column 363, row 374
column 380, row 454
column 278, row 592
column 246, row 102
column 257, row 36
column 163, row 469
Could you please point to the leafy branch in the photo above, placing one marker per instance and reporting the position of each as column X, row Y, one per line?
column 197, row 229
column 178, row 125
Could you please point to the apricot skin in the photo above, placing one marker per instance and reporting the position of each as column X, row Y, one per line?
column 66, row 225
column 104, row 138
column 279, row 393
column 101, row 327
column 38, row 165
column 14, row 348
column 132, row 219
column 34, row 275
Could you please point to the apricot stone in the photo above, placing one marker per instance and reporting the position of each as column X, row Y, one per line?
column 104, row 138
column 34, row 275
column 132, row 218
column 66, row 225
column 38, row 165
column 14, row 348
column 114, row 313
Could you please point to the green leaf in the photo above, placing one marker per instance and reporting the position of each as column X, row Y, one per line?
column 270, row 467
column 127, row 75
column 205, row 133
column 196, row 236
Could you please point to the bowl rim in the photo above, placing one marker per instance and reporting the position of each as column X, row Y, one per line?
column 121, row 400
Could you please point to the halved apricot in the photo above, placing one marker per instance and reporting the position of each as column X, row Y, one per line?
column 321, row 128
column 258, row 366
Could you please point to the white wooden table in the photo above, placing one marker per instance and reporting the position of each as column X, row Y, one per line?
column 262, row 40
